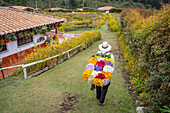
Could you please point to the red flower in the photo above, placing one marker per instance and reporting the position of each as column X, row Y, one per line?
column 96, row 77
column 100, row 63
column 0, row 41
column 101, row 76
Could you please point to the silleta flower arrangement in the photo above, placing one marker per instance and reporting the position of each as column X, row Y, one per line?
column 98, row 69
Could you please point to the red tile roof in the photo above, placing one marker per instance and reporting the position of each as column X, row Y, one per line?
column 55, row 9
column 13, row 21
column 106, row 8
column 21, row 7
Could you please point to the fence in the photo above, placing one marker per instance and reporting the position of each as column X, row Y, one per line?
column 40, row 61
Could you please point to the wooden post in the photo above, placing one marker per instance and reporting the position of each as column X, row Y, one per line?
column 25, row 73
column 56, row 28
column 68, row 55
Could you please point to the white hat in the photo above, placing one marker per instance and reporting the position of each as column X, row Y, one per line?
column 105, row 47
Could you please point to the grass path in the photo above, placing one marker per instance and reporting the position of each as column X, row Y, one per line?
column 62, row 89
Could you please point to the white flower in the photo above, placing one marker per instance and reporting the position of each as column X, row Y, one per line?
column 108, row 69
column 90, row 66
column 106, row 82
column 90, row 79
column 100, row 58
column 95, row 73
column 99, row 52
column 107, row 53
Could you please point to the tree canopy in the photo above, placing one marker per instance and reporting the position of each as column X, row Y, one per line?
column 73, row 4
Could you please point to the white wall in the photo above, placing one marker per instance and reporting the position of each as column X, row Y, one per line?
column 12, row 46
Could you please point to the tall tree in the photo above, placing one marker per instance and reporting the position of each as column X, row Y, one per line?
column 73, row 4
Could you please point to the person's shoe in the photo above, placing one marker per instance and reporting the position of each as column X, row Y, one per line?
column 102, row 104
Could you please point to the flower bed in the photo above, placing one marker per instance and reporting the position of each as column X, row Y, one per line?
column 76, row 20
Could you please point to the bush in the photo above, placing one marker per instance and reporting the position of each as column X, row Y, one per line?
column 140, row 5
column 115, row 10
column 87, row 9
column 127, row 4
column 148, row 6
column 146, row 48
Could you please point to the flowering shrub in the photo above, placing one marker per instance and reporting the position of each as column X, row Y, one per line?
column 113, row 25
column 98, row 69
column 79, row 20
column 144, row 45
column 54, row 49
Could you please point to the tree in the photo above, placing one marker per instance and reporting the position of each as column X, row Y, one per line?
column 73, row 4
column 127, row 4
column 148, row 6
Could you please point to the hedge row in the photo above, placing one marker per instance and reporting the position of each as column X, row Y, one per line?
column 115, row 10
column 51, row 50
column 145, row 45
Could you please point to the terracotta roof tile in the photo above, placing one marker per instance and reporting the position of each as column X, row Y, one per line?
column 105, row 8
column 13, row 21
column 21, row 7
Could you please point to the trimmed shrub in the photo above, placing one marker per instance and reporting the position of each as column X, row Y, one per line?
column 115, row 10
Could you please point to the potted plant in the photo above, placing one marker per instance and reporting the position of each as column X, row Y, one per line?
column 49, row 28
column 14, row 38
column 20, row 35
column 25, row 35
column 8, row 36
column 31, row 33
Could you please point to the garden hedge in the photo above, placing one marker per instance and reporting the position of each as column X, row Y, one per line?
column 145, row 45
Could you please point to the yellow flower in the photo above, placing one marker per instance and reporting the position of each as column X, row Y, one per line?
column 98, row 82
column 93, row 60
column 86, row 74
column 109, row 59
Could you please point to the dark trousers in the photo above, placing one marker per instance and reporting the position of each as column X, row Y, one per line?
column 101, row 92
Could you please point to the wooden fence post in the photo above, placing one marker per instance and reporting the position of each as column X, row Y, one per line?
column 68, row 55
column 25, row 72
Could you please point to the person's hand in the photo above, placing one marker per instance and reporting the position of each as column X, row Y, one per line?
column 92, row 87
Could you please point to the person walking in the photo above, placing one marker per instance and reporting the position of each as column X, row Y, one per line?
column 101, row 91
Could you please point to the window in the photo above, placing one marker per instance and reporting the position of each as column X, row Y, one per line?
column 25, row 38
column 22, row 41
column 3, row 48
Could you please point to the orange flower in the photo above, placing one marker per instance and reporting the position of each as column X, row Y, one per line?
column 108, row 75
column 86, row 79
column 98, row 82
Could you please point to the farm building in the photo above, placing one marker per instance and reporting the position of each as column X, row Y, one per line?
column 105, row 9
column 20, row 31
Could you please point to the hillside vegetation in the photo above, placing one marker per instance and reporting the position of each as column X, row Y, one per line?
column 72, row 4
column 144, row 43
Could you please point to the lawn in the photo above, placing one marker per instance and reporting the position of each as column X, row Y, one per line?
column 62, row 89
